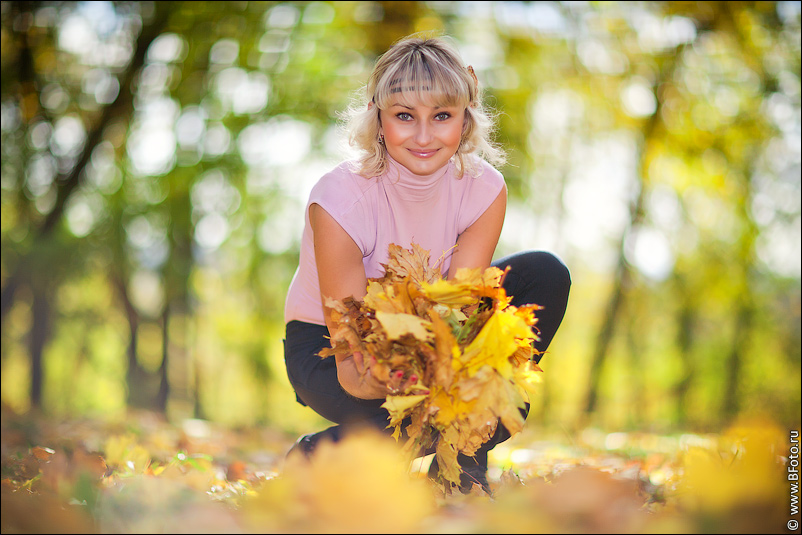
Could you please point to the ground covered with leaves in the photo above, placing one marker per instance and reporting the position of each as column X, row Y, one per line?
column 147, row 475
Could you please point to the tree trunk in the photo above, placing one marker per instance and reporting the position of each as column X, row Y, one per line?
column 635, row 350
column 67, row 183
column 40, row 331
column 197, row 403
column 164, row 378
column 623, row 277
column 743, row 321
column 135, row 375
column 605, row 334
column 685, row 343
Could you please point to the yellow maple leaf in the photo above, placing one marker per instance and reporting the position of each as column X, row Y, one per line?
column 446, row 455
column 391, row 298
column 397, row 325
column 399, row 406
column 526, row 376
column 505, row 403
column 449, row 407
column 377, row 297
column 450, row 293
column 496, row 394
column 742, row 469
column 358, row 485
column 490, row 277
column 495, row 343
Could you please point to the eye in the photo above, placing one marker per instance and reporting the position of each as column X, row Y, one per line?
column 442, row 116
column 404, row 116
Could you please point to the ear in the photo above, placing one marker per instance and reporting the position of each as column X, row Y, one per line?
column 370, row 105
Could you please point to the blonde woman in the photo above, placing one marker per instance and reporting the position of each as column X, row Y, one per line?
column 425, row 174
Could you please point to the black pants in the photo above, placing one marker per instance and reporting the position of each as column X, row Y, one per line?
column 535, row 277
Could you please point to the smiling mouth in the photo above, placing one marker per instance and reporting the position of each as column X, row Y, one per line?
column 423, row 153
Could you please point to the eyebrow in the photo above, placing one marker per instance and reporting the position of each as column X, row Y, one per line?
column 411, row 109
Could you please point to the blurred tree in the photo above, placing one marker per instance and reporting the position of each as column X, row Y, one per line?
column 30, row 270
column 156, row 158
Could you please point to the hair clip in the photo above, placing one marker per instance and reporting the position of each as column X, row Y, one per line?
column 475, row 79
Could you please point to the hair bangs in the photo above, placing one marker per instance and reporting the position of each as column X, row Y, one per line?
column 421, row 80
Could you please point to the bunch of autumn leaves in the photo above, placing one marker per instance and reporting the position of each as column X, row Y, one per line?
column 456, row 356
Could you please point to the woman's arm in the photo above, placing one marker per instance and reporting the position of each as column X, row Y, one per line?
column 477, row 243
column 342, row 274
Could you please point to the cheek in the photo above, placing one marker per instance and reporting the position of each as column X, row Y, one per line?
column 392, row 132
column 453, row 135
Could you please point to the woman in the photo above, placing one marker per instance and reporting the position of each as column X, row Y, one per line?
column 423, row 176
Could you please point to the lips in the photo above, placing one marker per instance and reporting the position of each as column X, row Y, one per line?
column 422, row 153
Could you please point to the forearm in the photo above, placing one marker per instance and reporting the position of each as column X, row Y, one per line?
column 477, row 243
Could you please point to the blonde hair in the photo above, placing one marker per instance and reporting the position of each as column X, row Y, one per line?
column 427, row 70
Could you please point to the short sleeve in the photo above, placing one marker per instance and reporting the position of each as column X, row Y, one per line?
column 342, row 196
column 478, row 194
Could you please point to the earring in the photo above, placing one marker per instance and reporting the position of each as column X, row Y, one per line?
column 381, row 139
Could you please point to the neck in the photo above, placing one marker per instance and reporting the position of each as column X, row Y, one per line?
column 395, row 171
column 409, row 185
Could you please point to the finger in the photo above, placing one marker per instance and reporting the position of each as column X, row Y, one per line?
column 411, row 380
column 359, row 362
column 394, row 384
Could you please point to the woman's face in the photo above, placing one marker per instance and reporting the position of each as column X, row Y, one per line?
column 421, row 138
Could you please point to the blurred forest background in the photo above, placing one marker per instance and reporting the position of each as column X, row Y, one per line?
column 157, row 156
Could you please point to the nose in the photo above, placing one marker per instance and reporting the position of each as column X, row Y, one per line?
column 423, row 134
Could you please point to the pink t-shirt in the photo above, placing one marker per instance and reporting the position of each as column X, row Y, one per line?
column 396, row 207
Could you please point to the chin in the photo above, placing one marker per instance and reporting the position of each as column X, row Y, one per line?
column 427, row 167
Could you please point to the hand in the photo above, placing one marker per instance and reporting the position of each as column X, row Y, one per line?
column 356, row 378
column 399, row 382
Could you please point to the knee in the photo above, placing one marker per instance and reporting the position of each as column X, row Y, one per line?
column 547, row 267
column 557, row 269
column 536, row 277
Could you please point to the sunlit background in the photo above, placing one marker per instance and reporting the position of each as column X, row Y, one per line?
column 157, row 157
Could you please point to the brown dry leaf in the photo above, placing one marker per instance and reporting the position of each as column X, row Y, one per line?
column 412, row 263
column 453, row 353
column 27, row 467
column 237, row 470
column 439, row 363
column 88, row 462
column 42, row 454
